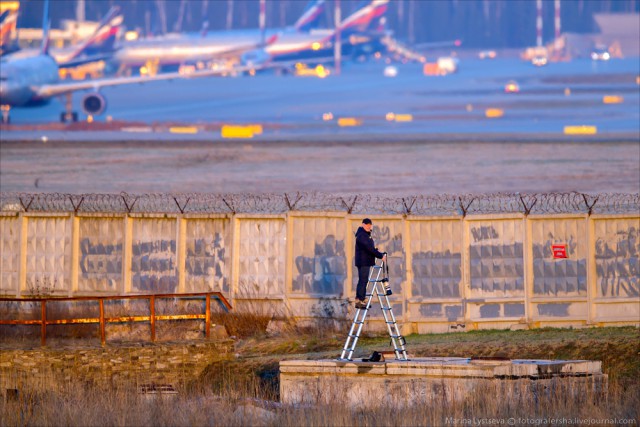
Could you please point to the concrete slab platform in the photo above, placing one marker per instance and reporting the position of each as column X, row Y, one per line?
column 425, row 379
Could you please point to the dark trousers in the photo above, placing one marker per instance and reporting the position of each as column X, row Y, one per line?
column 363, row 280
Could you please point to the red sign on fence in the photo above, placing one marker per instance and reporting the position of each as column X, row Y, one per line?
column 559, row 251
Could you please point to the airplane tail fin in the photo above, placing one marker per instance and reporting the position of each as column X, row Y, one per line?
column 46, row 26
column 366, row 16
column 103, row 39
column 8, row 21
column 311, row 16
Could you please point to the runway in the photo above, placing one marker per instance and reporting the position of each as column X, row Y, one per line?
column 449, row 146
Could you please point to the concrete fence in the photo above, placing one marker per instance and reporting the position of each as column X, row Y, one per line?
column 447, row 272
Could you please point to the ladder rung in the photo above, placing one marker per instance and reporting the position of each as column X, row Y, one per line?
column 376, row 266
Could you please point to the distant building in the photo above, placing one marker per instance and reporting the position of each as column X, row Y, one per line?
column 619, row 34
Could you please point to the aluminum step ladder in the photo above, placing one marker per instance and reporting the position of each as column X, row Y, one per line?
column 379, row 285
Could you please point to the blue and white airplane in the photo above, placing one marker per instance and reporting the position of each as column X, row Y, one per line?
column 176, row 50
column 33, row 79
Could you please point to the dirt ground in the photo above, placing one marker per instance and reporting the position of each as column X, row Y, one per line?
column 388, row 168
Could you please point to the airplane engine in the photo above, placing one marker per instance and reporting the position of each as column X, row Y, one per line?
column 94, row 103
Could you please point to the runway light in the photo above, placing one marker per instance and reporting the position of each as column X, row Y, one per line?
column 89, row 118
column 567, row 91
column 327, row 116
column 612, row 99
column 316, row 46
column 390, row 117
column 131, row 36
column 580, row 130
column 256, row 129
column 493, row 113
column 321, row 71
column 109, row 119
column 231, row 131
column 469, row 107
column 348, row 121
column 404, row 118
column 183, row 129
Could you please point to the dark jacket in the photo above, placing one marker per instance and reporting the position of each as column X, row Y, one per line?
column 366, row 252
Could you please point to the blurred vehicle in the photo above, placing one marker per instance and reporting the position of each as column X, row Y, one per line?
column 600, row 53
column 390, row 71
column 539, row 61
column 305, row 71
column 487, row 54
column 512, row 87
column 448, row 64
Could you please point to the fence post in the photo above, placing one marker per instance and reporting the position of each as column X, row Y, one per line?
column 288, row 268
column 75, row 253
column 527, row 247
column 127, row 251
column 408, row 268
column 43, row 326
column 102, row 336
column 349, row 245
column 235, row 255
column 592, row 279
column 466, row 271
column 181, row 241
column 152, row 317
column 207, row 316
column 22, row 275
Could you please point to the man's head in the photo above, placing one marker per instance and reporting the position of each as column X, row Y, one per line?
column 367, row 225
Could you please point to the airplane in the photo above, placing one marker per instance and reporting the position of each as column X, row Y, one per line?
column 358, row 33
column 8, row 21
column 34, row 80
column 174, row 51
column 97, row 47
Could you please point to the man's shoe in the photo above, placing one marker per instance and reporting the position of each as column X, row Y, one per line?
column 361, row 304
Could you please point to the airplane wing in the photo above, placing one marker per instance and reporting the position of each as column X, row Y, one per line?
column 50, row 90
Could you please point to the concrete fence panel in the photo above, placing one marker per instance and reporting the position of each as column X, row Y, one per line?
column 154, row 255
column 435, row 267
column 101, row 243
column 10, row 255
column 261, row 256
column 48, row 255
column 616, row 246
column 207, row 245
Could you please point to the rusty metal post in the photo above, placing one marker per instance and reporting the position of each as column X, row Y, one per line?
column 43, row 326
column 207, row 317
column 102, row 337
column 152, row 317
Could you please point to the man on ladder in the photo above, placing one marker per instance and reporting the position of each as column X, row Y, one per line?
column 378, row 277
column 366, row 254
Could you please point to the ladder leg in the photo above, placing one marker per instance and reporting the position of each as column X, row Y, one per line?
column 397, row 340
column 359, row 318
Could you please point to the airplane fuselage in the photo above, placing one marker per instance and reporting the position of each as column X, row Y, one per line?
column 185, row 49
column 20, row 79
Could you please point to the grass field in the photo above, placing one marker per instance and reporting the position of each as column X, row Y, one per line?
column 244, row 391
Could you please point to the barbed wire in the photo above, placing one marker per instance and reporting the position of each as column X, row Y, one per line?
column 276, row 203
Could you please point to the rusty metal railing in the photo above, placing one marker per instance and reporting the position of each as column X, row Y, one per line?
column 102, row 320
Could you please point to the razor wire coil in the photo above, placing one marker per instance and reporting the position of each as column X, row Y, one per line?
column 275, row 203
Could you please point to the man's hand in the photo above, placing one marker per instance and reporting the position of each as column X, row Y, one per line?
column 384, row 256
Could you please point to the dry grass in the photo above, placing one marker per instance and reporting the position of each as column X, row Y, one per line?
column 244, row 391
